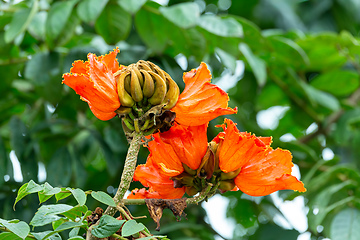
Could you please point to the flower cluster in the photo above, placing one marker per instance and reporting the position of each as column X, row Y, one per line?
column 181, row 159
column 133, row 91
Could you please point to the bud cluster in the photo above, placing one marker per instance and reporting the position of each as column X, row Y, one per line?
column 146, row 93
column 195, row 181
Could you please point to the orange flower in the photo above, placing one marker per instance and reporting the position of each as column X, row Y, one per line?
column 200, row 101
column 169, row 151
column 160, row 186
column 263, row 170
column 241, row 161
column 94, row 81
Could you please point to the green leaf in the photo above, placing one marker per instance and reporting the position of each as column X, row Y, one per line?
column 107, row 226
column 76, row 238
column 257, row 65
column 89, row 10
column 337, row 82
column 9, row 236
column 62, row 195
column 322, row 56
column 113, row 24
column 26, row 189
column 74, row 232
column 272, row 95
column 58, row 16
column 79, row 195
column 75, row 212
column 227, row 59
column 48, row 213
column 272, row 231
column 225, row 27
column 131, row 6
column 63, row 227
column 346, row 130
column 184, row 15
column 154, row 236
column 60, row 162
column 34, row 69
column 243, row 211
column 47, row 192
column 189, row 42
column 346, row 225
column 41, row 235
column 151, row 27
column 286, row 51
column 58, row 222
column 42, row 219
column 131, row 227
column 103, row 197
column 319, row 97
column 55, row 208
column 21, row 228
column 252, row 34
column 37, row 26
column 43, row 198
column 321, row 202
column 20, row 21
column 112, row 165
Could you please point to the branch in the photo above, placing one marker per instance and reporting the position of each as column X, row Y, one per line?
column 206, row 193
column 352, row 101
column 128, row 172
column 297, row 100
column 126, row 177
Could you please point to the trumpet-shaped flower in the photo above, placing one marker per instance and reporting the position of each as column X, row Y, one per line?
column 94, row 81
column 200, row 101
column 233, row 160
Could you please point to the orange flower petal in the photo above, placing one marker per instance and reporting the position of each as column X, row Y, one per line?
column 164, row 157
column 266, row 140
column 104, row 116
column 189, row 143
column 237, row 148
column 267, row 172
column 110, row 60
column 80, row 67
column 200, row 101
column 149, row 176
column 104, row 81
column 94, row 81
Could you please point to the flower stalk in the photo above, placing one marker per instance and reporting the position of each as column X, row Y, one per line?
column 128, row 172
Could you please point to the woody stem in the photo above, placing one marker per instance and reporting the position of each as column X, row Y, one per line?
column 128, row 172
column 207, row 192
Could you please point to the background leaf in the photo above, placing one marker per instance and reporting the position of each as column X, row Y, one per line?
column 184, row 15
column 20, row 21
column 113, row 24
column 89, row 10
column 345, row 225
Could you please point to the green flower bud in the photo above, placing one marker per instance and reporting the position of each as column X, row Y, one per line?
column 229, row 175
column 227, row 185
column 146, row 95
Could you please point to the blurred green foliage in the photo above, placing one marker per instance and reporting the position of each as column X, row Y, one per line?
column 301, row 58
